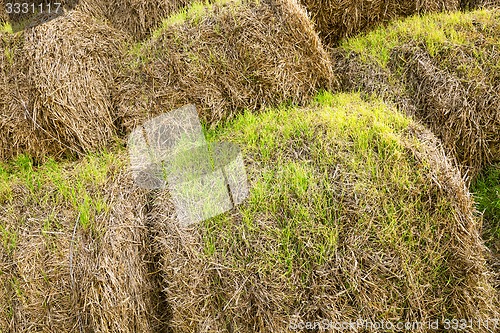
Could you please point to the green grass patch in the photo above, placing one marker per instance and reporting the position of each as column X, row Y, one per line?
column 76, row 186
column 6, row 27
column 295, row 154
column 486, row 191
column 436, row 32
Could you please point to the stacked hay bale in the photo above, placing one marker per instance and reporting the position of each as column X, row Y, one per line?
column 79, row 259
column 444, row 71
column 3, row 14
column 118, row 289
column 474, row 4
column 133, row 17
column 224, row 58
column 462, row 107
column 336, row 19
column 355, row 213
column 38, row 283
column 16, row 131
column 138, row 17
column 70, row 65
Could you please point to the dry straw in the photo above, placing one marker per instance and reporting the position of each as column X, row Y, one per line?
column 463, row 112
column 37, row 294
column 133, row 17
column 84, row 249
column 474, row 4
column 225, row 58
column 116, row 287
column 460, row 107
column 336, row 19
column 3, row 14
column 57, row 81
column 136, row 17
column 16, row 133
column 70, row 63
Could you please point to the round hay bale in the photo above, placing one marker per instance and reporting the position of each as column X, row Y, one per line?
column 355, row 212
column 3, row 14
column 134, row 17
column 449, row 83
column 17, row 135
column 463, row 112
column 71, row 62
column 336, row 19
column 225, row 58
column 79, row 260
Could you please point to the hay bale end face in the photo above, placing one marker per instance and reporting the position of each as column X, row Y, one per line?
column 336, row 19
column 225, row 58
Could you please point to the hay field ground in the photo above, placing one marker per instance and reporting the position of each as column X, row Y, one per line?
column 371, row 144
